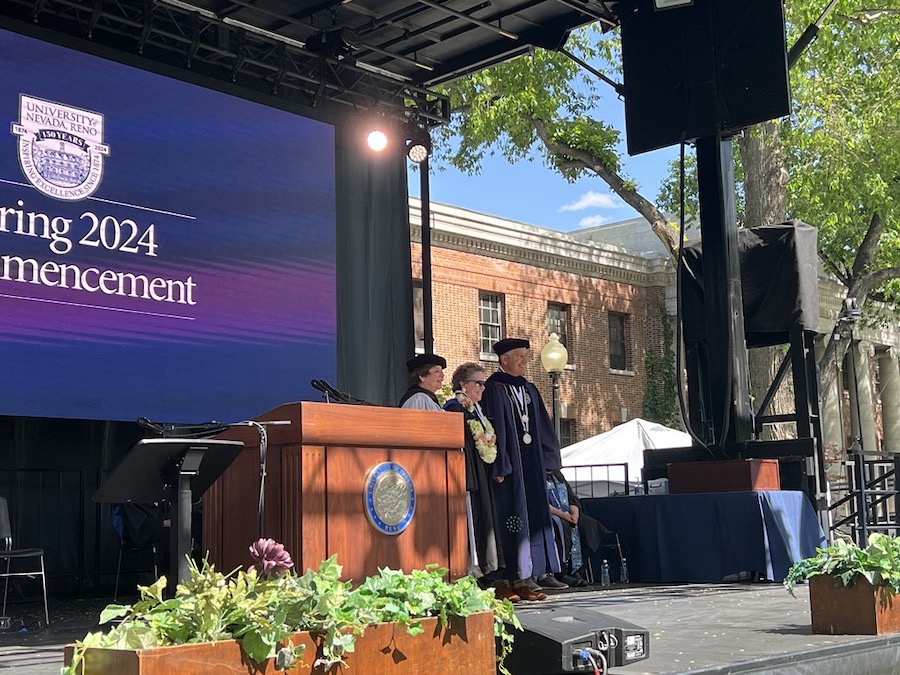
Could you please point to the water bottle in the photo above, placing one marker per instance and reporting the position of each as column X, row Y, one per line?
column 604, row 574
column 623, row 577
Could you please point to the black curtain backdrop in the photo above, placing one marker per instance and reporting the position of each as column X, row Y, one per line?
column 779, row 283
column 374, row 285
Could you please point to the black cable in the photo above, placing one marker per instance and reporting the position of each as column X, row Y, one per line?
column 176, row 430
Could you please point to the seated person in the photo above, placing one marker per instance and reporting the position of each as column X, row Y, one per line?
column 578, row 535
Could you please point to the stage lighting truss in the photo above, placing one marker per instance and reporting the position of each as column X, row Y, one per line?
column 173, row 31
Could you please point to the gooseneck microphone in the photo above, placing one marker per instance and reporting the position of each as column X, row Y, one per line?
column 333, row 395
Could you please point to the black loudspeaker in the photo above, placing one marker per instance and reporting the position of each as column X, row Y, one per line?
column 690, row 71
column 553, row 639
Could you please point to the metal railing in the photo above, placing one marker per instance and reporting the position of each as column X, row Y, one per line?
column 599, row 480
column 870, row 501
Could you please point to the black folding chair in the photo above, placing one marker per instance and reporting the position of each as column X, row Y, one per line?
column 8, row 553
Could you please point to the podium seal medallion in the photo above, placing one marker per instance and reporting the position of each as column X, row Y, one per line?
column 390, row 498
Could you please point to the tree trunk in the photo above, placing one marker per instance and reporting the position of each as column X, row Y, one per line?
column 765, row 177
column 765, row 198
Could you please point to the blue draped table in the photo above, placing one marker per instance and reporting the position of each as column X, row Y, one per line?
column 705, row 537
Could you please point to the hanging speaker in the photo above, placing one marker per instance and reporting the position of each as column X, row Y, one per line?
column 691, row 70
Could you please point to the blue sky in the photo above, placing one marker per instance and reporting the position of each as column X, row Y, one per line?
column 529, row 192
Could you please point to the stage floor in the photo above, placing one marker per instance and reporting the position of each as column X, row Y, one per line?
column 703, row 629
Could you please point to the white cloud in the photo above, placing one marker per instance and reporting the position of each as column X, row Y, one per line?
column 592, row 221
column 593, row 199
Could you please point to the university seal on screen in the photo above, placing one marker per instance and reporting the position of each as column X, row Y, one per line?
column 390, row 498
column 61, row 148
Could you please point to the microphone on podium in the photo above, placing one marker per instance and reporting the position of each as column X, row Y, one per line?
column 333, row 395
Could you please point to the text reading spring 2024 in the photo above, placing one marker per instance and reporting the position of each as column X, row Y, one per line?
column 102, row 232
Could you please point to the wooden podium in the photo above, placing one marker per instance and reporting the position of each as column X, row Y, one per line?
column 316, row 471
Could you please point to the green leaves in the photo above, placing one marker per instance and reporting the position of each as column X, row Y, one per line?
column 496, row 108
column 113, row 612
column 879, row 562
column 659, row 405
column 264, row 611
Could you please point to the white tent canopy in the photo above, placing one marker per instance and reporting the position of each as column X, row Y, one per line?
column 622, row 444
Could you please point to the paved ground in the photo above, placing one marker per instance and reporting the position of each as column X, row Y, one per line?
column 721, row 628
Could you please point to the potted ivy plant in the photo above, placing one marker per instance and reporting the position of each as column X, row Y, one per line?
column 269, row 618
column 852, row 590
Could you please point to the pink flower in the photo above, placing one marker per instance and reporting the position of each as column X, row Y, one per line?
column 270, row 558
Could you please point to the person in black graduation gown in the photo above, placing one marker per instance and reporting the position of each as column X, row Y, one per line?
column 426, row 375
column 527, row 447
column 480, row 450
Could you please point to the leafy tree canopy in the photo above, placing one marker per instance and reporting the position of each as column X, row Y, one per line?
column 842, row 142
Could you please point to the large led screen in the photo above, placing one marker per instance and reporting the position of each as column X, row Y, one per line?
column 166, row 250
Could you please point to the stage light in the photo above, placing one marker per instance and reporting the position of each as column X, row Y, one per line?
column 377, row 140
column 417, row 152
column 418, row 145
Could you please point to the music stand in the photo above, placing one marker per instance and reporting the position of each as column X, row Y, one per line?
column 176, row 470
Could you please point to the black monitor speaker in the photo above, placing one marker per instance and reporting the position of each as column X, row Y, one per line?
column 692, row 70
column 552, row 639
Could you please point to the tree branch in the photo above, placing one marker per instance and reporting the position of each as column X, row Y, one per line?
column 834, row 268
column 577, row 158
column 868, row 246
column 867, row 15
column 877, row 278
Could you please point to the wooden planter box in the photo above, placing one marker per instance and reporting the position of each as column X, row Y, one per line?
column 467, row 646
column 860, row 609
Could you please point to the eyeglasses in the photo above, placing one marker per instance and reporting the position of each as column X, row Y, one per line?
column 480, row 383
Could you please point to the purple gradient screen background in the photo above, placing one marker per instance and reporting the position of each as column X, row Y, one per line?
column 242, row 197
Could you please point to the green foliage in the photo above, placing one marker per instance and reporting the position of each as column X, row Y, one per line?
column 264, row 611
column 584, row 133
column 660, row 392
column 445, row 393
column 669, row 196
column 403, row 598
column 843, row 140
column 496, row 108
column 879, row 563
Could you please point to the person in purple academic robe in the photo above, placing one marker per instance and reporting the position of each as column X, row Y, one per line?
column 527, row 447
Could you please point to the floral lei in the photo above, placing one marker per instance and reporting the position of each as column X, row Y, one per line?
column 485, row 438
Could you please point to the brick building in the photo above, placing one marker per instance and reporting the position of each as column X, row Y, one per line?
column 495, row 278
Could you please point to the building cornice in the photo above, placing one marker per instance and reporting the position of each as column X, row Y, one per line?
column 469, row 231
column 831, row 299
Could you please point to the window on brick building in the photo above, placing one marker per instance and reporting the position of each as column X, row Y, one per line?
column 618, row 345
column 558, row 321
column 419, row 315
column 490, row 320
column 566, row 432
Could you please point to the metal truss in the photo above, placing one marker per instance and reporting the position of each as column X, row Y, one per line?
column 192, row 38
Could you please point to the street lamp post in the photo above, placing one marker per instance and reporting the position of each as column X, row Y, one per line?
column 554, row 357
